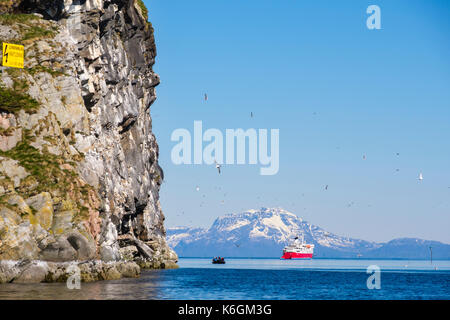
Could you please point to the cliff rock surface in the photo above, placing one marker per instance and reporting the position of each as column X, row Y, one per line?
column 79, row 173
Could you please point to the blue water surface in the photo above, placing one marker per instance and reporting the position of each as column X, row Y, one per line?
column 261, row 279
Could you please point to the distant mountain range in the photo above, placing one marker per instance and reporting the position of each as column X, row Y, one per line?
column 264, row 233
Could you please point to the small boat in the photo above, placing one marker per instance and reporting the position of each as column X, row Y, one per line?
column 218, row 260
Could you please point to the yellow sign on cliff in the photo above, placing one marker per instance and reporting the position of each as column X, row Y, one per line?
column 12, row 55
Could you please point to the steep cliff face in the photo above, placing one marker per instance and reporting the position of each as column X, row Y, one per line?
column 79, row 173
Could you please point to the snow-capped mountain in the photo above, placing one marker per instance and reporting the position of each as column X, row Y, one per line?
column 264, row 233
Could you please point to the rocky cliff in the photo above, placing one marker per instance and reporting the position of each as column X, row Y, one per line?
column 79, row 173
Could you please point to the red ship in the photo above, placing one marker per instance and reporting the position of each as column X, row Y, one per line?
column 298, row 249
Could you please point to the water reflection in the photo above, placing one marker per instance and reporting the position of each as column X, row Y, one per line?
column 145, row 287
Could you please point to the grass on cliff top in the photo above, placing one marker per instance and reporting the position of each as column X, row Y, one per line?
column 143, row 9
column 145, row 14
column 12, row 101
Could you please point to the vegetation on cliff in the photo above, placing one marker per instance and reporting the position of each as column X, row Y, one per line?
column 29, row 26
column 143, row 9
column 12, row 101
column 78, row 162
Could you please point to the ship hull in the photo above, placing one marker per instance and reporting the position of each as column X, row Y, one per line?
column 295, row 255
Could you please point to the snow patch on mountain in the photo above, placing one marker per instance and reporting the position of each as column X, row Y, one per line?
column 185, row 234
column 237, row 225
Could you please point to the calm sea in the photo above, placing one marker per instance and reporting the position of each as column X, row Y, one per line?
column 261, row 279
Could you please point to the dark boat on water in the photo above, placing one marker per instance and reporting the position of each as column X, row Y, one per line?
column 218, row 260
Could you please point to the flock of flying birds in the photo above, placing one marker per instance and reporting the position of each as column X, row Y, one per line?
column 218, row 167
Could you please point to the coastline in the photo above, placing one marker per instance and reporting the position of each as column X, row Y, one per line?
column 37, row 271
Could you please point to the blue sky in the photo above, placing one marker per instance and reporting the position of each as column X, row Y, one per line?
column 334, row 89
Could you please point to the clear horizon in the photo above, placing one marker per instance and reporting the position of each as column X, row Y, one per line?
column 361, row 113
